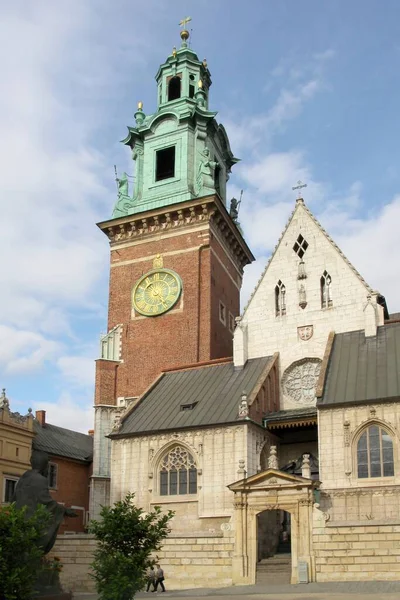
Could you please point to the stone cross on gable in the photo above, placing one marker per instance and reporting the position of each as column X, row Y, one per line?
column 299, row 186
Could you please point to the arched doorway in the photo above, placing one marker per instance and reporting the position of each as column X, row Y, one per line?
column 278, row 493
column 274, row 560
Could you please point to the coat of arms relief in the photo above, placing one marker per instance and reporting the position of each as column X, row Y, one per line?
column 305, row 333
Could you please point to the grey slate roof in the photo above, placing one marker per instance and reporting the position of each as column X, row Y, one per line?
column 63, row 442
column 216, row 389
column 363, row 369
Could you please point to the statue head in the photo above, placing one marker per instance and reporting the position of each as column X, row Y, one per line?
column 40, row 462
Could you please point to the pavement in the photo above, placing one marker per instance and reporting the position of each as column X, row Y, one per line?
column 354, row 590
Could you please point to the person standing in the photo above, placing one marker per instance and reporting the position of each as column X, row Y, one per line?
column 151, row 579
column 159, row 578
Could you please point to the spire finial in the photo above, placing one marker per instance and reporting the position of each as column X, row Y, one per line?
column 184, row 33
column 299, row 186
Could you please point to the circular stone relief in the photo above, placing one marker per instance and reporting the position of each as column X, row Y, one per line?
column 300, row 379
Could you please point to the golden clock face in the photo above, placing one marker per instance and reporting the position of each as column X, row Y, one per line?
column 156, row 292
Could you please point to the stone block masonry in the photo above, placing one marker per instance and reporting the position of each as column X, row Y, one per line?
column 357, row 553
column 76, row 555
column 188, row 561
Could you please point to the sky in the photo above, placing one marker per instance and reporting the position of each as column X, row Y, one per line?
column 306, row 91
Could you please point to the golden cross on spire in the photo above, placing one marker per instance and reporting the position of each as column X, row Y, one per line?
column 184, row 22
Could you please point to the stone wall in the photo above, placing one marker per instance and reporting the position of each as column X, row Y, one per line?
column 216, row 451
column 197, row 561
column 367, row 552
column 188, row 561
column 76, row 554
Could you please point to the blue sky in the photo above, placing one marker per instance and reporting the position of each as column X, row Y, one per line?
column 306, row 91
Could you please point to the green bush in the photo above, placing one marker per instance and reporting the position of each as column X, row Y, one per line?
column 126, row 539
column 20, row 557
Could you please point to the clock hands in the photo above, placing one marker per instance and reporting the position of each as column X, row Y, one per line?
column 158, row 294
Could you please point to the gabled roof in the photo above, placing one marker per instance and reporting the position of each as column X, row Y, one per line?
column 205, row 395
column 363, row 369
column 62, row 442
column 300, row 205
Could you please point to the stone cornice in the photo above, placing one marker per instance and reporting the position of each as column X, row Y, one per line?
column 151, row 223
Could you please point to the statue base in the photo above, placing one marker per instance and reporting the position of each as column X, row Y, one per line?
column 48, row 587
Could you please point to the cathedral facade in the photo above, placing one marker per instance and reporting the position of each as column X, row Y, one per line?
column 273, row 434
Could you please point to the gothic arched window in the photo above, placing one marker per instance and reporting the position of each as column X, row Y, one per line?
column 326, row 300
column 375, row 453
column 280, row 299
column 174, row 88
column 178, row 473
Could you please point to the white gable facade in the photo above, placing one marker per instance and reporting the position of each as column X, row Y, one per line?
column 307, row 290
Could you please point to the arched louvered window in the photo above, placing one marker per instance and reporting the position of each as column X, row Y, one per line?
column 178, row 473
column 375, row 453
column 280, row 299
column 325, row 283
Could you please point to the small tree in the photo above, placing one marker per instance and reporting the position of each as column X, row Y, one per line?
column 20, row 557
column 126, row 539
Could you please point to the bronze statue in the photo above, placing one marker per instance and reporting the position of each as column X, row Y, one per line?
column 32, row 489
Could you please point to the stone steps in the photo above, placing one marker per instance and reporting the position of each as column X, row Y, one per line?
column 275, row 570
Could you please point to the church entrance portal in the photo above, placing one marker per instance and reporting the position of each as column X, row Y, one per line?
column 274, row 561
column 273, row 510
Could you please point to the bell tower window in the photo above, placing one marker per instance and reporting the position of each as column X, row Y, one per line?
column 165, row 163
column 174, row 88
column 192, row 86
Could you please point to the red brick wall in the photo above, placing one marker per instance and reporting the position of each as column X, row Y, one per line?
column 191, row 331
column 73, row 480
column 106, row 381
column 223, row 289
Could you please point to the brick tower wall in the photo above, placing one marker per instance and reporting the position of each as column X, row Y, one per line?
column 191, row 331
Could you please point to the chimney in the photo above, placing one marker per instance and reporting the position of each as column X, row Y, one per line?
column 91, row 432
column 41, row 417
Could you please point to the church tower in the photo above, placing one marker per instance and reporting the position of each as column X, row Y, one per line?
column 177, row 255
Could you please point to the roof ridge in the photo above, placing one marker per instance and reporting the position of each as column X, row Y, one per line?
column 207, row 363
column 300, row 203
column 63, row 428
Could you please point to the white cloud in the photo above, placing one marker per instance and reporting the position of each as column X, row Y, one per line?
column 69, row 411
column 24, row 351
column 77, row 370
column 371, row 244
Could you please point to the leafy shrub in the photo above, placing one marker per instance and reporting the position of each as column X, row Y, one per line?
column 20, row 557
column 126, row 539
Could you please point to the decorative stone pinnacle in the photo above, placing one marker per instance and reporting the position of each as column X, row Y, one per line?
column 139, row 114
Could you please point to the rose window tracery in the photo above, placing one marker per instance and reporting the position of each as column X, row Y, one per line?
column 300, row 380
